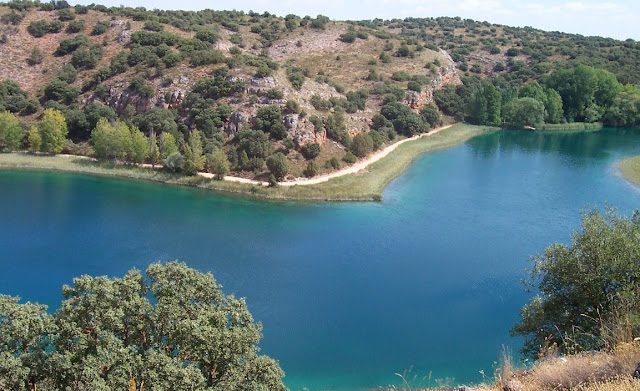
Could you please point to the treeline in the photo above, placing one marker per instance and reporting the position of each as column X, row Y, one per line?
column 580, row 94
column 172, row 329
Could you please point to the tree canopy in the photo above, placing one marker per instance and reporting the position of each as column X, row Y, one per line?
column 173, row 330
column 581, row 286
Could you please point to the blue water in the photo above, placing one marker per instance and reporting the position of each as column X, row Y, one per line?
column 349, row 293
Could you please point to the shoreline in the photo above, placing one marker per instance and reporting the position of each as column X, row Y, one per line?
column 365, row 183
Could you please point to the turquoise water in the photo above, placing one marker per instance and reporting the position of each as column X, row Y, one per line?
column 351, row 293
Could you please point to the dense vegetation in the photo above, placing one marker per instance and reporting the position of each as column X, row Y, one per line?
column 173, row 329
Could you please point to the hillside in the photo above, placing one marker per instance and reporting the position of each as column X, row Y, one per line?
column 300, row 80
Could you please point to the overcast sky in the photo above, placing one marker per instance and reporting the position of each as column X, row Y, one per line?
column 616, row 18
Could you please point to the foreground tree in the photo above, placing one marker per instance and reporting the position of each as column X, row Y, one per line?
column 173, row 330
column 582, row 286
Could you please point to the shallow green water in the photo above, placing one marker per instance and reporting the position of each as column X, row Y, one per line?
column 349, row 294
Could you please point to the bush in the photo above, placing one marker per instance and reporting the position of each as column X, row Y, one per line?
column 296, row 77
column 275, row 93
column 76, row 26
column 311, row 151
column 100, row 27
column 349, row 158
column 348, row 37
column 333, row 163
column 312, row 169
column 174, row 162
column 71, row 44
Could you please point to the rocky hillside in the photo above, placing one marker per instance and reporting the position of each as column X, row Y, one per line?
column 300, row 80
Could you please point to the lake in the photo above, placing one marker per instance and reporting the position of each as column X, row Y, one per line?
column 349, row 294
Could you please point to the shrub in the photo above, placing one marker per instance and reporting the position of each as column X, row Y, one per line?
column 333, row 163
column 100, row 27
column 349, row 158
column 311, row 151
column 76, row 26
column 174, row 162
column 312, row 169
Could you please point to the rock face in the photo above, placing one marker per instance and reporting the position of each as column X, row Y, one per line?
column 302, row 131
column 513, row 385
column 447, row 75
column 236, row 123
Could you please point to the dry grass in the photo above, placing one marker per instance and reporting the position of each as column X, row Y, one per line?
column 592, row 371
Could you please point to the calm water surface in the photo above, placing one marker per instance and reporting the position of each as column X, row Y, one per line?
column 349, row 294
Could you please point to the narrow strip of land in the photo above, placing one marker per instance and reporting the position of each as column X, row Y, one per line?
column 361, row 165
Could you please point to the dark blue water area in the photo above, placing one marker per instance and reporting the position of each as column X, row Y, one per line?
column 349, row 294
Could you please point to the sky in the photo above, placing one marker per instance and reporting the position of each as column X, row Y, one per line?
column 614, row 18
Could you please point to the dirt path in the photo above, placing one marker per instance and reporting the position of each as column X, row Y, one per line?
column 347, row 170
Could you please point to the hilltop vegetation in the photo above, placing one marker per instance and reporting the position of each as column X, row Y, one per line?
column 225, row 91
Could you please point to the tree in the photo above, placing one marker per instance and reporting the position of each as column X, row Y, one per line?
column 278, row 165
column 53, row 131
column 174, row 161
column 193, row 155
column 362, row 145
column 430, row 115
column 139, row 150
column 25, row 333
column 171, row 329
column 311, row 150
column 154, row 151
column 219, row 164
column 35, row 141
column 524, row 112
column 167, row 145
column 112, row 141
column 254, row 143
column 581, row 284
column 10, row 132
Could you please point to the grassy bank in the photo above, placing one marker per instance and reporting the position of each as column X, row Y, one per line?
column 366, row 185
column 630, row 169
column 572, row 126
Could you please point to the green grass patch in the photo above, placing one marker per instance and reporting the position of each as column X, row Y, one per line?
column 366, row 185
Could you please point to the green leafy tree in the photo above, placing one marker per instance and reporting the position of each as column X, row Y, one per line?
column 174, row 161
column 139, row 150
column 25, row 334
column 10, row 132
column 53, row 131
column 278, row 165
column 194, row 158
column 154, row 150
column 311, row 150
column 581, row 284
column 254, row 143
column 35, row 141
column 552, row 106
column 167, row 145
column 362, row 145
column 171, row 330
column 524, row 112
column 430, row 115
column 112, row 141
column 219, row 164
